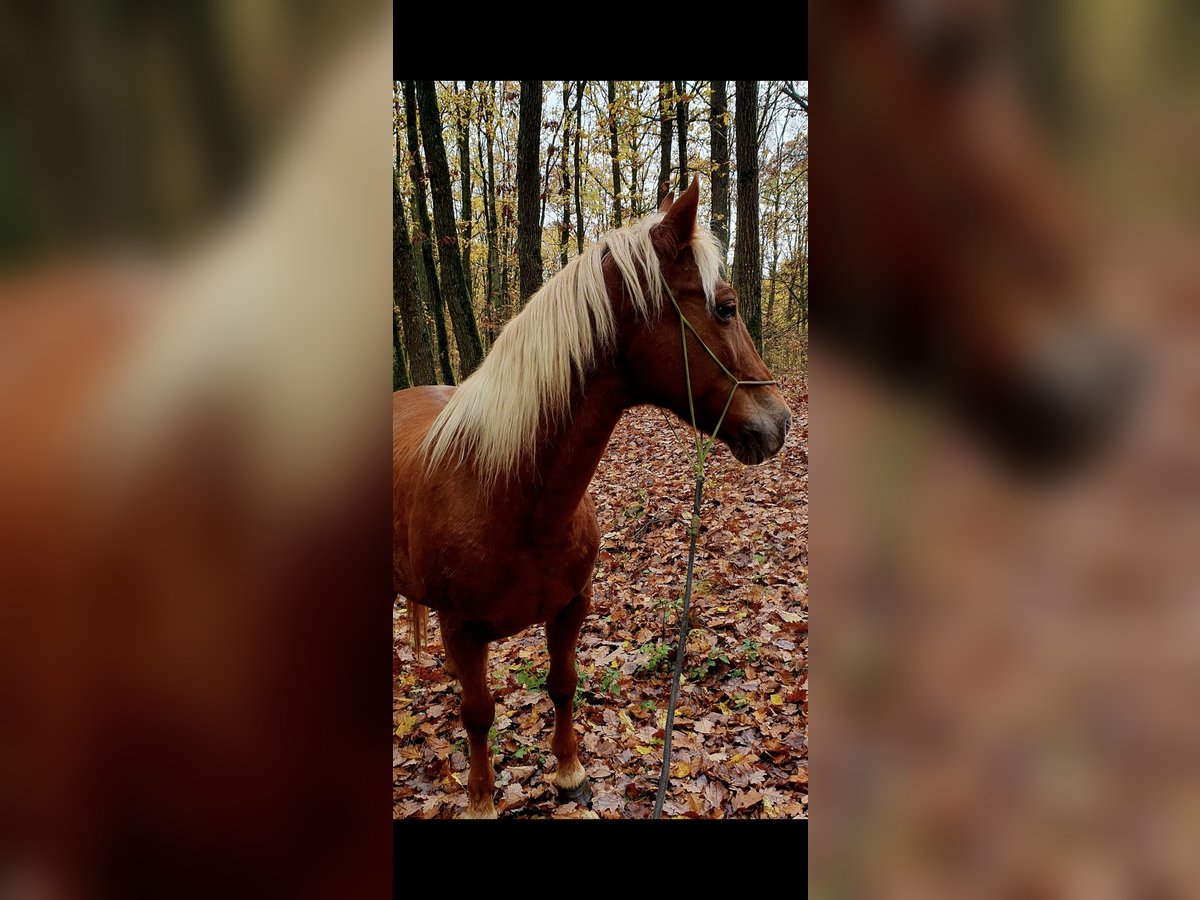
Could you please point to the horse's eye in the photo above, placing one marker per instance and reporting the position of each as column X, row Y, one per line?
column 727, row 311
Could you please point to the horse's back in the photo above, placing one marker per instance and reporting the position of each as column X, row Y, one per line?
column 413, row 411
column 425, row 397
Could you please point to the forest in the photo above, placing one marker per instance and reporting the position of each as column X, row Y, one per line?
column 499, row 184
column 497, row 187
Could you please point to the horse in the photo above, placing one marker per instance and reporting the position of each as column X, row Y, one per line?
column 493, row 525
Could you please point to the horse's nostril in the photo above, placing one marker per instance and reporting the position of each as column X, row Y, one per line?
column 784, row 422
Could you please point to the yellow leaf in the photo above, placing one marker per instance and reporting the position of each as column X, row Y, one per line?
column 777, row 699
column 681, row 770
column 791, row 617
column 406, row 725
column 642, row 750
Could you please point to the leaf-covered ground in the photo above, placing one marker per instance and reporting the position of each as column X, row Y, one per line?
column 740, row 744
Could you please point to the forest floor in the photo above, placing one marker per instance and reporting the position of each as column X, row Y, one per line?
column 740, row 746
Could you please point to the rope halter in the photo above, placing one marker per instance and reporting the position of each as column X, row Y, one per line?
column 704, row 447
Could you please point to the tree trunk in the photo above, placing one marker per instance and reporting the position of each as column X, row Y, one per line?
column 400, row 379
column 407, row 299
column 424, row 229
column 664, row 167
column 636, row 176
column 614, row 152
column 564, row 233
column 681, row 110
column 719, row 132
column 747, row 265
column 770, row 314
column 399, row 370
column 804, row 285
column 529, row 238
column 458, row 299
column 507, row 213
column 789, row 281
column 545, row 192
column 489, row 210
column 778, row 168
column 464, row 164
column 579, row 86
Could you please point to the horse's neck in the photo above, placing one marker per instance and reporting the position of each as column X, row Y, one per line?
column 567, row 458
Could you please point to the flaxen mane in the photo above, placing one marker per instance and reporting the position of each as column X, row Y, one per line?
column 494, row 416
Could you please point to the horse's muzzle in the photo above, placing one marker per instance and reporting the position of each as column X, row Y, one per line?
column 763, row 437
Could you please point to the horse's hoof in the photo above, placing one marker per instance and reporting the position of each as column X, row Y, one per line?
column 581, row 794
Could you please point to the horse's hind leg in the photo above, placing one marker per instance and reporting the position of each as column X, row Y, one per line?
column 449, row 666
column 478, row 710
column 562, row 636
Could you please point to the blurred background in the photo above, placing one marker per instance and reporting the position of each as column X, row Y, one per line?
column 140, row 122
column 1005, row 298
column 195, row 280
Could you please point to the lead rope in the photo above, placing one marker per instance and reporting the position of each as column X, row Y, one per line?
column 703, row 448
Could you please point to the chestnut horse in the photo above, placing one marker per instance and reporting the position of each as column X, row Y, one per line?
column 493, row 525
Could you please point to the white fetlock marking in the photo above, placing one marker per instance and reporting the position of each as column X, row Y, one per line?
column 569, row 775
column 487, row 811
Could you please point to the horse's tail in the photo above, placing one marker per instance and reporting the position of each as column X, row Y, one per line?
column 418, row 616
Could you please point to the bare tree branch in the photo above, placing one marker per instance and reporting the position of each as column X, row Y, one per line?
column 790, row 90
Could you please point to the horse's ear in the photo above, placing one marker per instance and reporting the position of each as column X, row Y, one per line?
column 680, row 220
column 667, row 200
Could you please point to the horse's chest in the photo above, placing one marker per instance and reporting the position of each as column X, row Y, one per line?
column 510, row 585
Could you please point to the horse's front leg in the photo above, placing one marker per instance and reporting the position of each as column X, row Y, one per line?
column 478, row 710
column 562, row 636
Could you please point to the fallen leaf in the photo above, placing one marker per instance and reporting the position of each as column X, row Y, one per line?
column 746, row 800
column 715, row 793
column 513, row 794
column 606, row 803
